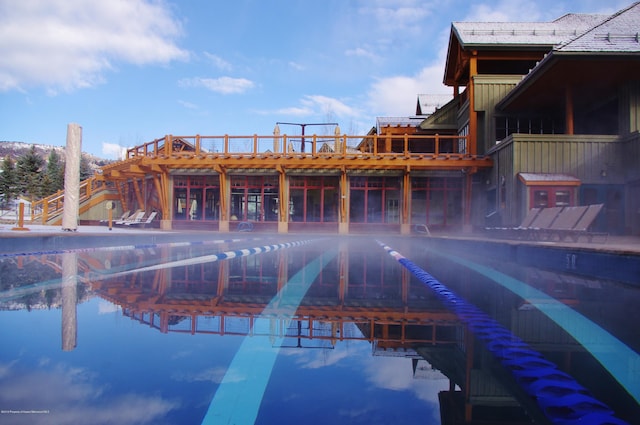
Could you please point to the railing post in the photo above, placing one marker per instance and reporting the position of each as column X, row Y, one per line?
column 255, row 144
column 375, row 144
column 437, row 145
column 226, row 143
column 168, row 145
column 406, row 145
column 20, row 225
column 45, row 211
column 197, row 144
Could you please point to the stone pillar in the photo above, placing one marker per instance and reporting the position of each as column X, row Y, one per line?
column 73, row 152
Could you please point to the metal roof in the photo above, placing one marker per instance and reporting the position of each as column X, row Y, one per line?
column 545, row 178
column 398, row 121
column 617, row 33
column 429, row 103
column 530, row 34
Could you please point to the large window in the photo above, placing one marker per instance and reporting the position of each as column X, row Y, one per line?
column 254, row 198
column 313, row 199
column 375, row 200
column 436, row 201
column 196, row 197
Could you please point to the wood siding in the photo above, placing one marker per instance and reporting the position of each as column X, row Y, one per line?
column 489, row 90
column 584, row 157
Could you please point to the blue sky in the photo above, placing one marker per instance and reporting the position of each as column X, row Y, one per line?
column 130, row 71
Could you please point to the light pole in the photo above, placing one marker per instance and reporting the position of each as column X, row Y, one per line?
column 303, row 126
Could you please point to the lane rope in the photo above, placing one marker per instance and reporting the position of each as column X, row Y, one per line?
column 560, row 397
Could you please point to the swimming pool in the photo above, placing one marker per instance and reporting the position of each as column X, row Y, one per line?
column 310, row 330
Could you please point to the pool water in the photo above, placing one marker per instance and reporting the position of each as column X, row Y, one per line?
column 302, row 330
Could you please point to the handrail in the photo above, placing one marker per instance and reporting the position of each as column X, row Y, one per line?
column 402, row 145
column 53, row 205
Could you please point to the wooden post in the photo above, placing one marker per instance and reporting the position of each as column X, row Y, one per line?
column 20, row 225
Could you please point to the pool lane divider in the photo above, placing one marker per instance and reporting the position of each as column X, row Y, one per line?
column 622, row 363
column 239, row 395
column 21, row 291
column 226, row 255
column 124, row 247
column 560, row 397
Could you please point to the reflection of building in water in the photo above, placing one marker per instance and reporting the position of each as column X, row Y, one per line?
column 357, row 296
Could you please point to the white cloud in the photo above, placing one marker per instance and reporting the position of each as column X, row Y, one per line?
column 218, row 62
column 213, row 374
column 105, row 307
column 72, row 395
column 361, row 52
column 222, row 85
column 70, row 44
column 397, row 95
column 405, row 16
column 329, row 106
column 187, row 105
column 316, row 106
column 112, row 150
column 296, row 66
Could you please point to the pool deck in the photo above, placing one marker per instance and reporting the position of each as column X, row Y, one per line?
column 613, row 244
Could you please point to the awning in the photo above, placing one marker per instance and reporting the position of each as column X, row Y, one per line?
column 548, row 179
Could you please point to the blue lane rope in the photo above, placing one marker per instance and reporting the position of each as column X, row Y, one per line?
column 238, row 398
column 205, row 259
column 52, row 284
column 122, row 247
column 563, row 400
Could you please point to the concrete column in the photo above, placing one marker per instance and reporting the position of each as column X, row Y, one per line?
column 73, row 152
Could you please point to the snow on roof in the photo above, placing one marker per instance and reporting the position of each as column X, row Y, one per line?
column 551, row 34
column 617, row 33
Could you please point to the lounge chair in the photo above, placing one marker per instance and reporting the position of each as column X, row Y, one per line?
column 542, row 223
column 143, row 222
column 124, row 216
column 137, row 216
column 525, row 224
column 564, row 222
column 583, row 226
column 245, row 226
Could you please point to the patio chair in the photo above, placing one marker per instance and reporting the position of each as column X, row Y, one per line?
column 137, row 216
column 122, row 218
column 541, row 223
column 245, row 226
column 525, row 224
column 583, row 226
column 564, row 222
column 143, row 222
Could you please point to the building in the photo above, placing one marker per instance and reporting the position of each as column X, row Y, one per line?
column 541, row 114
column 555, row 106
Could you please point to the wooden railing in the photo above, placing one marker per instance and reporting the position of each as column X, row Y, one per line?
column 377, row 145
column 51, row 206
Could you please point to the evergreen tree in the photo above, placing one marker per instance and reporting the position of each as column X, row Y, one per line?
column 55, row 174
column 85, row 168
column 28, row 170
column 8, row 180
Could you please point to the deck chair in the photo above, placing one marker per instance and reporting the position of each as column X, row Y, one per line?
column 564, row 222
column 143, row 222
column 542, row 223
column 525, row 224
column 245, row 226
column 122, row 218
column 583, row 225
column 137, row 216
